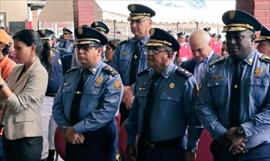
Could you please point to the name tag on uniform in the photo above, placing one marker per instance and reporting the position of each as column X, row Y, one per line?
column 217, row 77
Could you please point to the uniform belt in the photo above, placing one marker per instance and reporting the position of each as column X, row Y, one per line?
column 162, row 144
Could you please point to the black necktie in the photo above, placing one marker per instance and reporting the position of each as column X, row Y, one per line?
column 235, row 95
column 135, row 62
column 146, row 129
column 64, row 44
column 76, row 101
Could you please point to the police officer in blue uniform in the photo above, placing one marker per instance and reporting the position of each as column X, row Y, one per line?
column 50, row 58
column 88, row 100
column 130, row 58
column 264, row 41
column 163, row 109
column 234, row 101
column 66, row 48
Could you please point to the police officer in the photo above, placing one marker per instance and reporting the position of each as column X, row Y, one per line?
column 184, row 51
column 88, row 101
column 234, row 101
column 130, row 58
column 66, row 48
column 163, row 106
column 51, row 59
column 264, row 41
column 100, row 26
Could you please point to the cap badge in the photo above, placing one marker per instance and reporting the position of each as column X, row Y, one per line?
column 80, row 30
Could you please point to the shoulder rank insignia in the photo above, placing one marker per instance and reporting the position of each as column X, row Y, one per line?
column 220, row 60
column 144, row 71
column 265, row 58
column 184, row 72
column 110, row 70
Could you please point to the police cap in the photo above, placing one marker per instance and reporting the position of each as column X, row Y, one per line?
column 66, row 31
column 181, row 34
column 88, row 35
column 265, row 35
column 45, row 34
column 237, row 20
column 161, row 38
column 100, row 26
column 138, row 11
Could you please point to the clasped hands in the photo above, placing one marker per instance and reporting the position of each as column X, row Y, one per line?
column 72, row 137
column 233, row 142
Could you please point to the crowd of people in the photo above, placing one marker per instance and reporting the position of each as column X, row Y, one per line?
column 165, row 90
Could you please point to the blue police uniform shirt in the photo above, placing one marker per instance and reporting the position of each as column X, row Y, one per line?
column 123, row 56
column 55, row 74
column 214, row 98
column 65, row 47
column 100, row 101
column 173, row 108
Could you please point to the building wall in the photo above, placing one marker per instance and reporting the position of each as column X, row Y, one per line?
column 16, row 10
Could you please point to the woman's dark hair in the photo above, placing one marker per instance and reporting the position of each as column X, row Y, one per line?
column 114, row 43
column 30, row 37
column 45, row 55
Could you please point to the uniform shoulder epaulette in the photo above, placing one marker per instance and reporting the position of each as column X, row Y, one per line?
column 265, row 58
column 220, row 60
column 184, row 72
column 110, row 70
column 71, row 69
column 144, row 71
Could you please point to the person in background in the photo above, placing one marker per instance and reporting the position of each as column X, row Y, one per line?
column 66, row 48
column 163, row 109
column 216, row 44
column 110, row 48
column 6, row 66
column 184, row 51
column 264, row 41
column 234, row 101
column 202, row 53
column 22, row 96
column 130, row 58
column 88, row 100
column 224, row 50
column 51, row 59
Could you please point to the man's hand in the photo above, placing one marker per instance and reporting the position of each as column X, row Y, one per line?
column 72, row 137
column 128, row 96
column 131, row 150
column 190, row 156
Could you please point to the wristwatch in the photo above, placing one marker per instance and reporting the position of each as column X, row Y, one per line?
column 240, row 131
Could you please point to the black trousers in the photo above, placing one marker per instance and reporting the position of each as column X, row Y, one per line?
column 99, row 145
column 24, row 149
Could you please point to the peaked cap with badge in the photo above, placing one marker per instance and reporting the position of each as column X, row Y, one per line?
column 161, row 38
column 66, row 31
column 45, row 34
column 264, row 35
column 139, row 11
column 237, row 20
column 100, row 26
column 88, row 35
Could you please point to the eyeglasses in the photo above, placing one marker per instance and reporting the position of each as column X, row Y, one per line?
column 153, row 51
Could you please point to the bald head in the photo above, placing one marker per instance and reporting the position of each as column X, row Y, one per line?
column 200, row 45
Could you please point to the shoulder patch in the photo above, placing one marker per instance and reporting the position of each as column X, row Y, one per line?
column 220, row 60
column 110, row 70
column 71, row 69
column 265, row 58
column 144, row 71
column 184, row 72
